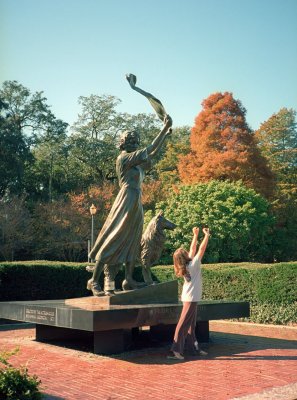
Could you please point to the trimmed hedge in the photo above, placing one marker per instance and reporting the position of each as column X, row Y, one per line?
column 270, row 288
column 47, row 280
column 41, row 280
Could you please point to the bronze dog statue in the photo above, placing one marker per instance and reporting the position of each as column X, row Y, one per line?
column 152, row 244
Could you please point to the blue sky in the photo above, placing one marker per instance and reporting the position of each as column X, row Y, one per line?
column 180, row 50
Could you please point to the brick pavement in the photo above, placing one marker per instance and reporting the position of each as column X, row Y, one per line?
column 245, row 361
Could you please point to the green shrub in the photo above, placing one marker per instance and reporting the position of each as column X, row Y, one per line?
column 16, row 383
column 238, row 217
column 276, row 314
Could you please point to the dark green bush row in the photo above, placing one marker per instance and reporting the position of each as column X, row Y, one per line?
column 270, row 288
column 258, row 283
column 272, row 283
column 47, row 280
column 42, row 280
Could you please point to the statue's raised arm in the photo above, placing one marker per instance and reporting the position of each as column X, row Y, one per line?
column 156, row 104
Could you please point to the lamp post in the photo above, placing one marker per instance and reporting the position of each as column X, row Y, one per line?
column 93, row 211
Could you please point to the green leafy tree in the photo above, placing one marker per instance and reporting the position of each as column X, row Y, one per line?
column 98, row 117
column 14, row 154
column 27, row 123
column 92, row 159
column 30, row 113
column 49, row 176
column 277, row 139
column 16, row 232
column 93, row 144
column 147, row 125
column 178, row 145
column 238, row 218
column 285, row 210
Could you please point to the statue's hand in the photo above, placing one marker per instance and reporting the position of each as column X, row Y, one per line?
column 131, row 79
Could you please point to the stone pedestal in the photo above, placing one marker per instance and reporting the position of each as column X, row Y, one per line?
column 110, row 329
column 162, row 333
column 202, row 331
column 104, row 342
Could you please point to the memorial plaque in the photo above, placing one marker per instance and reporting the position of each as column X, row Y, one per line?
column 44, row 315
column 164, row 314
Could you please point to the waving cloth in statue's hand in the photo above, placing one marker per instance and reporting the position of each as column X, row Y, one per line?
column 156, row 104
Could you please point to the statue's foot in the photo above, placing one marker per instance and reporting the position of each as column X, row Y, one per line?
column 109, row 286
column 151, row 282
column 109, row 292
column 94, row 287
column 130, row 284
column 90, row 268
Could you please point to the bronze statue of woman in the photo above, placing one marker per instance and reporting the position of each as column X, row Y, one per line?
column 119, row 239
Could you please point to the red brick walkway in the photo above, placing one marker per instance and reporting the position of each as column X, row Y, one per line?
column 244, row 360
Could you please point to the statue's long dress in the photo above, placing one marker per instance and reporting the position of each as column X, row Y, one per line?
column 120, row 236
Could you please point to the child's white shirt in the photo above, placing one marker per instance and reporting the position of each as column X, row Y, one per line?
column 192, row 290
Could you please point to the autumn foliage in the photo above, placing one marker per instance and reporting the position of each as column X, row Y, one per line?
column 101, row 196
column 223, row 147
column 153, row 191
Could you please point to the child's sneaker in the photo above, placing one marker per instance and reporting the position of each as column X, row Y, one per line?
column 176, row 356
column 201, row 353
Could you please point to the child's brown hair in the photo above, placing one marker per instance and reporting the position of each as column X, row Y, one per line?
column 180, row 261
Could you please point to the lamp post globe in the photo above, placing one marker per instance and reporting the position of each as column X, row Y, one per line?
column 93, row 211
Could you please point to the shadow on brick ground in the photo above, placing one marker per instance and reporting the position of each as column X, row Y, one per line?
column 223, row 346
column 245, row 343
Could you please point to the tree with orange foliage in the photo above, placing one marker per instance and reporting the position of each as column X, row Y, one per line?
column 223, row 147
column 101, row 196
column 63, row 227
column 152, row 193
